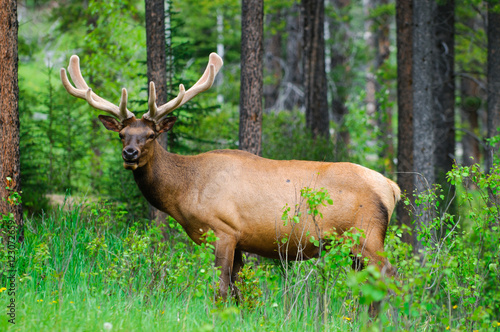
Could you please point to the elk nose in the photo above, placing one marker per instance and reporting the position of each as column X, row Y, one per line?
column 130, row 154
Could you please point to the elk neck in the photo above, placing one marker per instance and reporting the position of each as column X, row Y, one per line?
column 163, row 179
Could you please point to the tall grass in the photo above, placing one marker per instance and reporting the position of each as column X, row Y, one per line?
column 87, row 267
column 82, row 267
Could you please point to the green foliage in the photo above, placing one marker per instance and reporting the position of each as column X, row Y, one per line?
column 62, row 142
column 13, row 198
column 84, row 259
column 453, row 281
column 314, row 199
column 250, row 293
column 286, row 137
column 471, row 41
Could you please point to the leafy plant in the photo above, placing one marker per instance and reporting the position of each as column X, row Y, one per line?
column 249, row 292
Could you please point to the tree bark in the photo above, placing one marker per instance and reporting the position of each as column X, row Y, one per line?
column 10, row 170
column 157, row 69
column 423, row 115
column 444, row 97
column 444, row 87
column 404, row 39
column 293, row 81
column 316, row 103
column 493, row 76
column 342, row 76
column 272, row 62
column 251, row 89
column 369, row 37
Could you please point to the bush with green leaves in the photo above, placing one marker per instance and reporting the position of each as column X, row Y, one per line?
column 453, row 281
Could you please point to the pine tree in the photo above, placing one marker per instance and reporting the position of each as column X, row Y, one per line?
column 10, row 168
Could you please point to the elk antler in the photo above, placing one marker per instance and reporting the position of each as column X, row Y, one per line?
column 83, row 91
column 156, row 113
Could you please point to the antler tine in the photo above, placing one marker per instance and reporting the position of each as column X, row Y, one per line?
column 83, row 91
column 76, row 76
column 101, row 106
column 173, row 104
column 207, row 79
column 67, row 85
column 152, row 101
column 156, row 113
column 125, row 113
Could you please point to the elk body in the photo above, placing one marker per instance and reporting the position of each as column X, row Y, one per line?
column 241, row 196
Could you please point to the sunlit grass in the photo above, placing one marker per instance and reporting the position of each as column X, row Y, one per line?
column 88, row 268
column 61, row 285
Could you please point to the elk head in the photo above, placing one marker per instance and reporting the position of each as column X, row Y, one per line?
column 137, row 135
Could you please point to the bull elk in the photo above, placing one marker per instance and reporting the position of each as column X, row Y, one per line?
column 238, row 195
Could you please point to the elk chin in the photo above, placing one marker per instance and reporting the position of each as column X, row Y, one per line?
column 130, row 166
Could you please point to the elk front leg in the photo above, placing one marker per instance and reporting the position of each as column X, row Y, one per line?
column 224, row 259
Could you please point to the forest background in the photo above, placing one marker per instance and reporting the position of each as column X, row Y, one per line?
column 445, row 122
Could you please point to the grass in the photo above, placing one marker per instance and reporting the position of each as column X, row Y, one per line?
column 88, row 267
column 138, row 314
column 67, row 281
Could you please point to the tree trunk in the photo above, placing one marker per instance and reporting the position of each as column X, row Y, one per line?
column 423, row 115
column 316, row 103
column 406, row 181
column 293, row 80
column 342, row 76
column 251, row 89
column 10, row 170
column 444, row 87
column 272, row 62
column 157, row 69
column 369, row 36
column 493, row 75
column 444, row 94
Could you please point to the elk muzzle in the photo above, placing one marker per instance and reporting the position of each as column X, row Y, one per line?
column 130, row 157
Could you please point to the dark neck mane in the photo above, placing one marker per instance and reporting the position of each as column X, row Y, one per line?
column 162, row 178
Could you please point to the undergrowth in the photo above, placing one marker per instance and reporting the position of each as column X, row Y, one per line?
column 85, row 267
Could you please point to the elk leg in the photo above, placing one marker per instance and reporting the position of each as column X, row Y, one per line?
column 224, row 258
column 370, row 250
column 369, row 247
column 237, row 266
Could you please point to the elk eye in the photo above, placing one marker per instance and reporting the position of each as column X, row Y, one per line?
column 151, row 136
column 121, row 136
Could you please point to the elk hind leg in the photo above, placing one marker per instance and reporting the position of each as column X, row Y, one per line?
column 370, row 249
column 224, row 259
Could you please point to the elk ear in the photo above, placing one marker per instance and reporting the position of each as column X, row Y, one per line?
column 111, row 123
column 166, row 124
